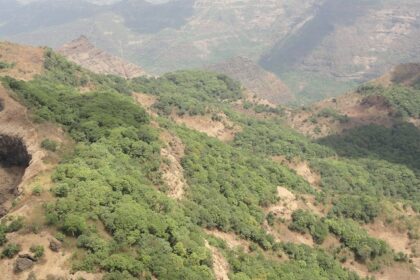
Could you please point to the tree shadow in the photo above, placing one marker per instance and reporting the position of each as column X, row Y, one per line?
column 398, row 144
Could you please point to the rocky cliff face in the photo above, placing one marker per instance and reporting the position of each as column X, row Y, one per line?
column 354, row 40
column 81, row 51
column 258, row 81
column 304, row 42
column 207, row 32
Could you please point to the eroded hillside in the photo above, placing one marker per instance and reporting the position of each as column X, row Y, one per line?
column 81, row 51
column 152, row 188
column 387, row 101
column 260, row 83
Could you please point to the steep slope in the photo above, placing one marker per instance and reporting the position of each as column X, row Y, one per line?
column 20, row 62
column 346, row 41
column 180, row 34
column 259, row 82
column 319, row 48
column 386, row 101
column 82, row 52
column 141, row 195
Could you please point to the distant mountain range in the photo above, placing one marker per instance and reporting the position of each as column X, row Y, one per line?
column 317, row 47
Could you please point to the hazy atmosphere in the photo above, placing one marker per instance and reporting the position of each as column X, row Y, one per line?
column 198, row 139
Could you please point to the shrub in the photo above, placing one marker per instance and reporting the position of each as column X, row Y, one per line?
column 37, row 190
column 358, row 240
column 3, row 238
column 305, row 222
column 360, row 208
column 10, row 250
column 38, row 251
column 74, row 225
column 49, row 145
column 5, row 65
column 16, row 225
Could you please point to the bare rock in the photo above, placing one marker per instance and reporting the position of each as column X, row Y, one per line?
column 81, row 51
column 28, row 256
column 55, row 245
column 23, row 264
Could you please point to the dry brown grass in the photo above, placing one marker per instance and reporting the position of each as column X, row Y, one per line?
column 220, row 265
column 172, row 171
column 28, row 61
column 360, row 111
column 224, row 130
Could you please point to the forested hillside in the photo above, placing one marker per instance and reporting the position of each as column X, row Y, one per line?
column 147, row 191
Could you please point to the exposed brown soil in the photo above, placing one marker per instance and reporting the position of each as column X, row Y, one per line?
column 172, row 171
column 282, row 233
column 232, row 240
column 81, row 51
column 27, row 61
column 359, row 110
column 406, row 74
column 224, row 130
column 286, row 206
column 146, row 101
column 23, row 157
column 302, row 168
column 220, row 265
column 283, row 210
column 55, row 264
column 261, row 83
column 398, row 240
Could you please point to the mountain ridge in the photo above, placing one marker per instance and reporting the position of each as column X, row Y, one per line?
column 81, row 51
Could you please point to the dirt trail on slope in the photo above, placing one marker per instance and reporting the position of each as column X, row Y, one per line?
column 286, row 205
column 222, row 129
column 146, row 101
column 172, row 170
column 232, row 240
column 302, row 169
column 220, row 265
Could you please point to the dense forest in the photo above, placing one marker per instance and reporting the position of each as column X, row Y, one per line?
column 113, row 179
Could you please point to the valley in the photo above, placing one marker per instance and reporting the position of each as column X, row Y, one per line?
column 187, row 176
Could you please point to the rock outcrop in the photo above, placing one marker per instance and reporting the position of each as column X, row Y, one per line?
column 22, row 264
column 82, row 52
column 258, row 81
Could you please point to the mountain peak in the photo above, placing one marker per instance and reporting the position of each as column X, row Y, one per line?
column 83, row 52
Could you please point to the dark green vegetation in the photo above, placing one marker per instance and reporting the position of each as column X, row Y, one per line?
column 306, row 222
column 271, row 137
column 109, row 192
column 405, row 100
column 359, row 208
column 347, row 231
column 10, row 250
column 189, row 92
column 357, row 239
column 49, row 145
column 304, row 263
column 5, row 65
column 367, row 176
column 398, row 144
column 228, row 187
column 407, row 74
column 110, row 179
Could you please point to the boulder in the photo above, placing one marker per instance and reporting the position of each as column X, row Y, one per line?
column 55, row 245
column 22, row 264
